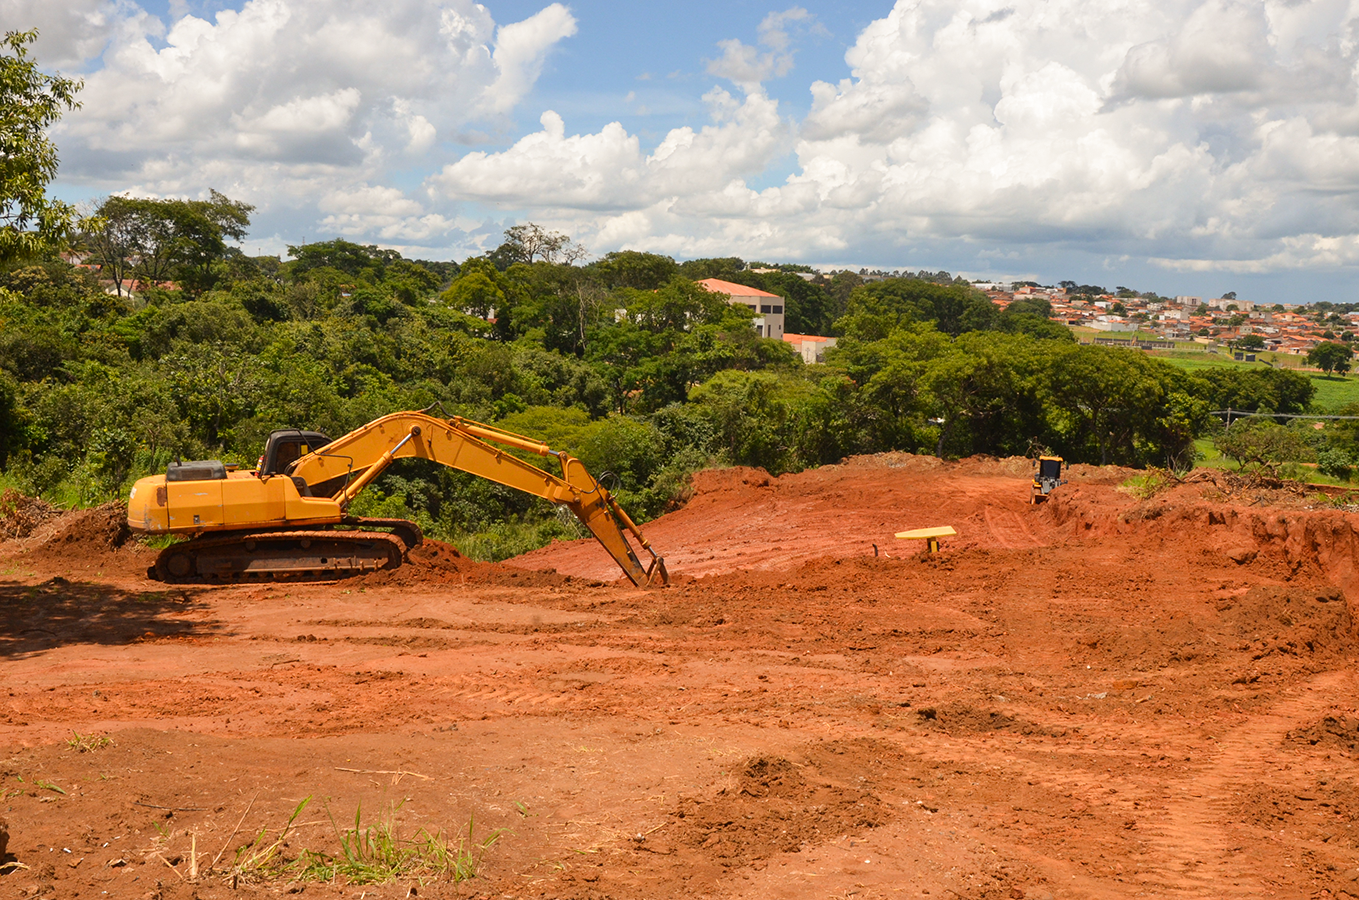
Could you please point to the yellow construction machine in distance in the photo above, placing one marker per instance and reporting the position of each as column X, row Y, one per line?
column 1047, row 476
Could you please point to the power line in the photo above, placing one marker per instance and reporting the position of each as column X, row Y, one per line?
column 1231, row 414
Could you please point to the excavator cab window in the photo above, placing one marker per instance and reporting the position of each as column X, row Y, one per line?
column 1049, row 468
column 198, row 470
column 286, row 447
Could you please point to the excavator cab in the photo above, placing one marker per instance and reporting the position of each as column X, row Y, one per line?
column 286, row 447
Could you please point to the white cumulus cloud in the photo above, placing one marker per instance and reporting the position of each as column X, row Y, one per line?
column 609, row 170
column 69, row 31
column 284, row 101
column 1219, row 130
column 1194, row 135
column 749, row 66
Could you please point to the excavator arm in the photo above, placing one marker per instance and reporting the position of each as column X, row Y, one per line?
column 343, row 468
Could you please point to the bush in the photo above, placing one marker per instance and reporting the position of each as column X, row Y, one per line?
column 1335, row 463
column 1263, row 444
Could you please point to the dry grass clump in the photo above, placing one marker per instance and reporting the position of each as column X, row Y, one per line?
column 20, row 516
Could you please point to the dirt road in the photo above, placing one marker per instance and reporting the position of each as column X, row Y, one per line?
column 1099, row 697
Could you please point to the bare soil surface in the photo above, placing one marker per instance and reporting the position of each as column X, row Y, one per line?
column 1100, row 696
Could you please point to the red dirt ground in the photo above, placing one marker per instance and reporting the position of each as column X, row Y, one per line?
column 1100, row 696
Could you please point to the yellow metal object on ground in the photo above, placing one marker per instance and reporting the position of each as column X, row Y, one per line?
column 930, row 536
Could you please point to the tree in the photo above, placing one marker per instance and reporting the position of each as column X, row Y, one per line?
column 972, row 389
column 634, row 269
column 202, row 228
column 115, row 232
column 1261, row 443
column 1330, row 357
column 30, row 101
column 162, row 239
column 1034, row 305
column 352, row 259
column 530, row 242
column 875, row 309
column 725, row 267
column 1256, row 390
column 1113, row 406
column 1336, row 463
column 1251, row 342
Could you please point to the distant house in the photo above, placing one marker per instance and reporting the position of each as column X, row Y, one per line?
column 811, row 347
column 766, row 308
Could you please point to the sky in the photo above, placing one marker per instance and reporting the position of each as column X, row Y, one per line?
column 1180, row 147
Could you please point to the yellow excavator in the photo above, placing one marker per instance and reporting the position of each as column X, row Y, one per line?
column 289, row 516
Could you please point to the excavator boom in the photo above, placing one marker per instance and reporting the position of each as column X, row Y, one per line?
column 316, row 490
column 472, row 447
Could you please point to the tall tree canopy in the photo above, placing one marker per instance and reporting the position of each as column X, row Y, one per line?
column 160, row 240
column 30, row 101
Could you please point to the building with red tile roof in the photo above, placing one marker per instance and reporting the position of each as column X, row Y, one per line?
column 766, row 307
column 811, row 347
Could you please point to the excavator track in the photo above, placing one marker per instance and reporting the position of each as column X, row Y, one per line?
column 408, row 531
column 269, row 555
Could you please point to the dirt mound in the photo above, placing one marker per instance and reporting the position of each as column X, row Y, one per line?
column 1290, row 621
column 1331, row 733
column 767, row 776
column 745, row 519
column 85, row 540
column 20, row 516
column 435, row 562
column 775, row 808
column 960, row 718
column 1306, row 809
column 1108, row 695
column 729, row 484
column 1299, row 538
column 101, row 528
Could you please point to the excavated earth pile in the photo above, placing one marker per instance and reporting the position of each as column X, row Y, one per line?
column 1139, row 688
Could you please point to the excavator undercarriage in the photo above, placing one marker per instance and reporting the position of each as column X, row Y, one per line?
column 350, row 548
column 289, row 517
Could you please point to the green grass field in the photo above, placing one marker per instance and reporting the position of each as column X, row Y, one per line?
column 1333, row 391
column 1087, row 335
column 1195, row 359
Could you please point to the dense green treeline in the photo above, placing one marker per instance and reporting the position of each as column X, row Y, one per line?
column 182, row 346
column 624, row 361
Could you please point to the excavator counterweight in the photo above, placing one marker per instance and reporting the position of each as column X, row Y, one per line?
column 290, row 515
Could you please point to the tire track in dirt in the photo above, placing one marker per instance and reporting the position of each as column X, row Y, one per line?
column 1009, row 530
column 1196, row 852
column 506, row 697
